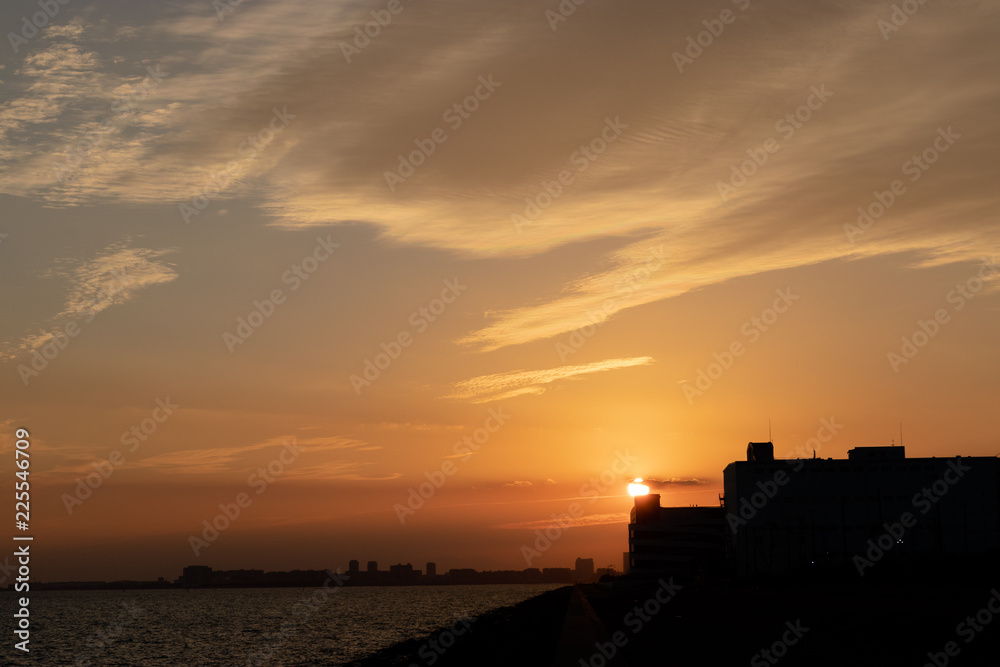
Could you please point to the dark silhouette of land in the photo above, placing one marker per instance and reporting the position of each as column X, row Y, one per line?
column 202, row 576
column 902, row 616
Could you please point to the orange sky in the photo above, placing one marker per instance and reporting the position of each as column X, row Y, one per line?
column 625, row 255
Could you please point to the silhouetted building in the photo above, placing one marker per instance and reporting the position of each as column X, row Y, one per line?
column 197, row 575
column 398, row 575
column 295, row 578
column 760, row 452
column 402, row 575
column 373, row 567
column 353, row 567
column 583, row 571
column 237, row 577
column 462, row 576
column 674, row 540
column 876, row 505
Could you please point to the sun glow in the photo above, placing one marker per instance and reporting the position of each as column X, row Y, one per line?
column 637, row 489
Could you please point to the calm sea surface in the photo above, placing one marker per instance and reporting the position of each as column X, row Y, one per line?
column 243, row 626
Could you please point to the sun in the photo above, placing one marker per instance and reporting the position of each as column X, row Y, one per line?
column 637, row 489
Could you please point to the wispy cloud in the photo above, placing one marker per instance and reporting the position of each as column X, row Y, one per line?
column 515, row 383
column 115, row 276
column 658, row 484
column 578, row 522
column 415, row 426
column 658, row 180
column 247, row 457
column 343, row 470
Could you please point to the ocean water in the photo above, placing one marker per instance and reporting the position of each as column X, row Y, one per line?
column 244, row 626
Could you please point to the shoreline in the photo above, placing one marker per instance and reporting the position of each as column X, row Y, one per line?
column 818, row 624
column 501, row 637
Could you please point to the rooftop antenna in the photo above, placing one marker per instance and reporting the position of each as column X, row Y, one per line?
column 900, row 434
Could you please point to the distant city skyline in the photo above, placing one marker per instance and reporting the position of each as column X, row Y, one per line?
column 399, row 574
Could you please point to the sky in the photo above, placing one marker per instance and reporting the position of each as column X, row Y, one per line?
column 423, row 281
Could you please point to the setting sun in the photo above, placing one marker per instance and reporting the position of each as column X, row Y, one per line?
column 637, row 489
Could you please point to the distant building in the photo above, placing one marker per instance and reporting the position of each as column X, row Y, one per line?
column 373, row 567
column 235, row 577
column 806, row 512
column 583, row 572
column 295, row 578
column 197, row 575
column 463, row 576
column 353, row 567
column 401, row 575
